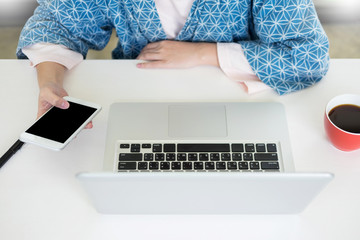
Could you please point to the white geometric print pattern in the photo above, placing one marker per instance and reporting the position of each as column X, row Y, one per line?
column 282, row 39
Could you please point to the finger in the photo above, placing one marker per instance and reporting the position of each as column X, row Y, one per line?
column 153, row 45
column 153, row 64
column 56, row 100
column 150, row 56
column 60, row 102
column 148, row 50
column 43, row 109
column 89, row 125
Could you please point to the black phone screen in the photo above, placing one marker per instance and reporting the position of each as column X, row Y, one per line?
column 59, row 124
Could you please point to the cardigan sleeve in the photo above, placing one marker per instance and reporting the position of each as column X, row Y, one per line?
column 48, row 52
column 234, row 64
column 75, row 24
column 289, row 48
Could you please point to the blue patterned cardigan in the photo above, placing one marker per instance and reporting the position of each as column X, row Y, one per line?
column 283, row 40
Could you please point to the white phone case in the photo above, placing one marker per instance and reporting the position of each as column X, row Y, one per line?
column 55, row 145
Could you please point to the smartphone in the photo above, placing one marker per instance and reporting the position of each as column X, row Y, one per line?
column 57, row 127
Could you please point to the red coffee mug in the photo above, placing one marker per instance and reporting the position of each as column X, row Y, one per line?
column 342, row 139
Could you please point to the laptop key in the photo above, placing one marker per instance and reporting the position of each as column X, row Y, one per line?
column 254, row 165
column 148, row 156
column 157, row 147
column 269, row 165
column 214, row 156
column 249, row 147
column 181, row 156
column 169, row 147
column 127, row 166
column 124, row 145
column 231, row 165
column 164, row 165
column 153, row 165
column 187, row 165
column 135, row 148
column 159, row 156
column 209, row 165
column 142, row 165
column 260, row 147
column 271, row 147
column 202, row 147
column 237, row 147
column 220, row 165
column 130, row 156
column 243, row 165
column 236, row 156
column 170, row 157
column 198, row 165
column 225, row 157
column 248, row 156
column 203, row 156
column 192, row 157
column 266, row 156
column 176, row 165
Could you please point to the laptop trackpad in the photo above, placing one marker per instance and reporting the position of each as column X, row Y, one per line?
column 197, row 121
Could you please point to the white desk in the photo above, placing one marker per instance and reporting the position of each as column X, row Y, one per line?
column 41, row 199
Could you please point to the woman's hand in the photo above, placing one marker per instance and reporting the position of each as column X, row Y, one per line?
column 52, row 93
column 176, row 54
column 50, row 79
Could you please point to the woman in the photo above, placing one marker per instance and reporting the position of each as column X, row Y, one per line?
column 264, row 43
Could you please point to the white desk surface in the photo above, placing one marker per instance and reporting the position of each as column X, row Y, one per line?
column 41, row 199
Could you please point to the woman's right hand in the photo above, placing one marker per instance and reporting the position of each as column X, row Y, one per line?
column 51, row 92
column 50, row 77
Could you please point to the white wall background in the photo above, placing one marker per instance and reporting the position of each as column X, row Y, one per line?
column 335, row 11
column 15, row 12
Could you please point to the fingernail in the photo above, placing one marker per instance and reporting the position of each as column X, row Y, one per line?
column 64, row 104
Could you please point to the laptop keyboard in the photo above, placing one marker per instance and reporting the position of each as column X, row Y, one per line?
column 248, row 157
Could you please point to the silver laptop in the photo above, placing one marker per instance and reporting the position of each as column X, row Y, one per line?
column 200, row 158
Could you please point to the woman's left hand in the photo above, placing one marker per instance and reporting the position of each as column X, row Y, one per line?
column 176, row 54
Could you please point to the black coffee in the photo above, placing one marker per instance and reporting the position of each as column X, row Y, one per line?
column 346, row 117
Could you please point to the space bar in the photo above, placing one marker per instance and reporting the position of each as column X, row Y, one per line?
column 203, row 147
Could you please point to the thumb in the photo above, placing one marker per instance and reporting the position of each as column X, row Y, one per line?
column 46, row 105
column 59, row 102
column 63, row 104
